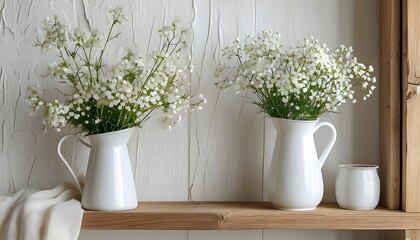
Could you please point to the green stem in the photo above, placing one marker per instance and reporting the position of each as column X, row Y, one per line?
column 108, row 39
column 87, row 62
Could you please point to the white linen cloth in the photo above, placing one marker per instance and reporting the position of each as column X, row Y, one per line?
column 29, row 214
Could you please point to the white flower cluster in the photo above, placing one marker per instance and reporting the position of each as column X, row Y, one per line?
column 103, row 99
column 301, row 82
column 56, row 33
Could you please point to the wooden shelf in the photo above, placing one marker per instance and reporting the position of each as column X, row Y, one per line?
column 242, row 216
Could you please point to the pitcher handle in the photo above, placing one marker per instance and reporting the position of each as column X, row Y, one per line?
column 79, row 186
column 330, row 143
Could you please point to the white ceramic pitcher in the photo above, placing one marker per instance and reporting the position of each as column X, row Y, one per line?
column 295, row 178
column 109, row 183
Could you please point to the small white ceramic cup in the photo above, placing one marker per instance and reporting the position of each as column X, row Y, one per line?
column 357, row 186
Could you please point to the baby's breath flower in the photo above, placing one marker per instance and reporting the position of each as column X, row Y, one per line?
column 102, row 98
column 56, row 34
column 301, row 82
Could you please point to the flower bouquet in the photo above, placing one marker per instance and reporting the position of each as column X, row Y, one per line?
column 301, row 82
column 97, row 97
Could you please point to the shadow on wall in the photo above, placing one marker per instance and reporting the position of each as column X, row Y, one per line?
column 366, row 114
column 357, row 124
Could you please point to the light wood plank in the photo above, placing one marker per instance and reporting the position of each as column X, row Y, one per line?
column 411, row 106
column 242, row 216
column 390, row 100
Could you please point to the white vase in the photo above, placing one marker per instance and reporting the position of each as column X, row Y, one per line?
column 357, row 186
column 109, row 182
column 295, row 178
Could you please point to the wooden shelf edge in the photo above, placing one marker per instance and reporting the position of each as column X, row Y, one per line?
column 245, row 215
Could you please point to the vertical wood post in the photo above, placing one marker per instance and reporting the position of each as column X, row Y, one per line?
column 411, row 106
column 390, row 102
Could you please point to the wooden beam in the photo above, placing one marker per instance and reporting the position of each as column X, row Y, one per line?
column 411, row 106
column 390, row 101
column 246, row 216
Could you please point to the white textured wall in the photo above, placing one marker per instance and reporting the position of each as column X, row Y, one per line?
column 219, row 153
